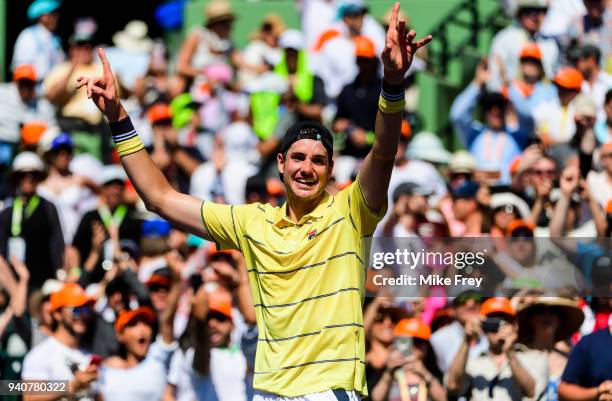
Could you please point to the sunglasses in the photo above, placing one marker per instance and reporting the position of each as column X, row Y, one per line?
column 158, row 287
column 81, row 312
column 463, row 299
column 380, row 317
column 220, row 317
column 547, row 173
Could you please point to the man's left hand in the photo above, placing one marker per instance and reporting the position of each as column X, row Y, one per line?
column 400, row 48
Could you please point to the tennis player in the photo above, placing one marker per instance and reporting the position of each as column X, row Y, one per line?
column 306, row 259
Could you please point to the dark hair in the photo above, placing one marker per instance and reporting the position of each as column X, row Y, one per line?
column 608, row 96
column 589, row 51
column 489, row 100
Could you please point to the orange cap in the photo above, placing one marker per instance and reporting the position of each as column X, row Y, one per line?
column 515, row 224
column 412, row 327
column 569, row 78
column 364, row 47
column 32, row 132
column 70, row 295
column 324, row 38
column 220, row 301
column 497, row 305
column 531, row 50
column 159, row 280
column 515, row 165
column 159, row 112
column 406, row 129
column 212, row 251
column 127, row 316
column 607, row 147
column 24, row 71
column 609, row 207
column 274, row 187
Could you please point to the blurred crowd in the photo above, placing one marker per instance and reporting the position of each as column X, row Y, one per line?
column 97, row 290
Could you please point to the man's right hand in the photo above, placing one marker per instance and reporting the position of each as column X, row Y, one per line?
column 103, row 91
column 83, row 378
column 472, row 329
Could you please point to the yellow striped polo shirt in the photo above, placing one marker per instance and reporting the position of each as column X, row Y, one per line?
column 307, row 280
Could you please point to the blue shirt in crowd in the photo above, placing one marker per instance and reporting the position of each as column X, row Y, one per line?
column 590, row 362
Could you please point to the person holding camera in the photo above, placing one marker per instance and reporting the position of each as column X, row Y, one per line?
column 505, row 371
column 411, row 373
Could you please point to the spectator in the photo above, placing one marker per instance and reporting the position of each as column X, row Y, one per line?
column 412, row 369
column 506, row 207
column 467, row 210
column 209, row 366
column 493, row 144
column 531, row 88
column 596, row 82
column 31, row 229
column 20, row 104
column 540, row 179
column 65, row 189
column 263, row 50
column 507, row 44
column 334, row 50
column 599, row 182
column 447, row 341
column 503, row 372
column 113, row 213
column 210, row 44
column 595, row 27
column 155, row 86
column 61, row 356
column 357, row 102
column 555, row 119
column 603, row 126
column 38, row 45
column 139, row 371
column 546, row 324
column 588, row 373
column 75, row 112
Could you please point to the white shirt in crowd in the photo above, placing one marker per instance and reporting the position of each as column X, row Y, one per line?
column 231, row 181
column 143, row 382
column 600, row 186
column 53, row 360
column 14, row 112
column 553, row 122
column 447, row 341
column 597, row 91
column 38, row 46
column 226, row 381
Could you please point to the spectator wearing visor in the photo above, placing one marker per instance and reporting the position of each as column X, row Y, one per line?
column 506, row 46
column 411, row 368
column 20, row 104
column 31, row 229
column 531, row 88
column 112, row 214
column 546, row 324
column 505, row 371
column 139, row 370
column 447, row 340
column 555, row 119
column 62, row 356
column 357, row 102
column 38, row 45
column 209, row 366
column 505, row 208
column 493, row 143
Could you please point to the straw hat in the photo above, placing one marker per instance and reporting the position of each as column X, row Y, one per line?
column 571, row 316
column 218, row 11
column 276, row 24
column 133, row 38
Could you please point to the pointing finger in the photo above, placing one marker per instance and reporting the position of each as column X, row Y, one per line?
column 105, row 64
column 394, row 16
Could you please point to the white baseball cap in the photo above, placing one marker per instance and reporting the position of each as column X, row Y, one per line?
column 292, row 39
column 112, row 173
column 28, row 161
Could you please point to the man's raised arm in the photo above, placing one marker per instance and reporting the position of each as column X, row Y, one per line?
column 157, row 194
column 375, row 172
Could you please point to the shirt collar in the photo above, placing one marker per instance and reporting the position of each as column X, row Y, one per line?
column 282, row 219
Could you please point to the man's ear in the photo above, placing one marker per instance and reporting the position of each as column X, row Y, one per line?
column 280, row 163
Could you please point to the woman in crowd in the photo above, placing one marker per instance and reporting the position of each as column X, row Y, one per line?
column 411, row 372
column 138, row 372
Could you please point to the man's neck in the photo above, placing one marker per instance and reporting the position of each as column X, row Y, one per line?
column 63, row 336
column 296, row 209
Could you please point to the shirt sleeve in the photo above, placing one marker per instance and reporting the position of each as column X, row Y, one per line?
column 34, row 368
column 361, row 216
column 222, row 222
